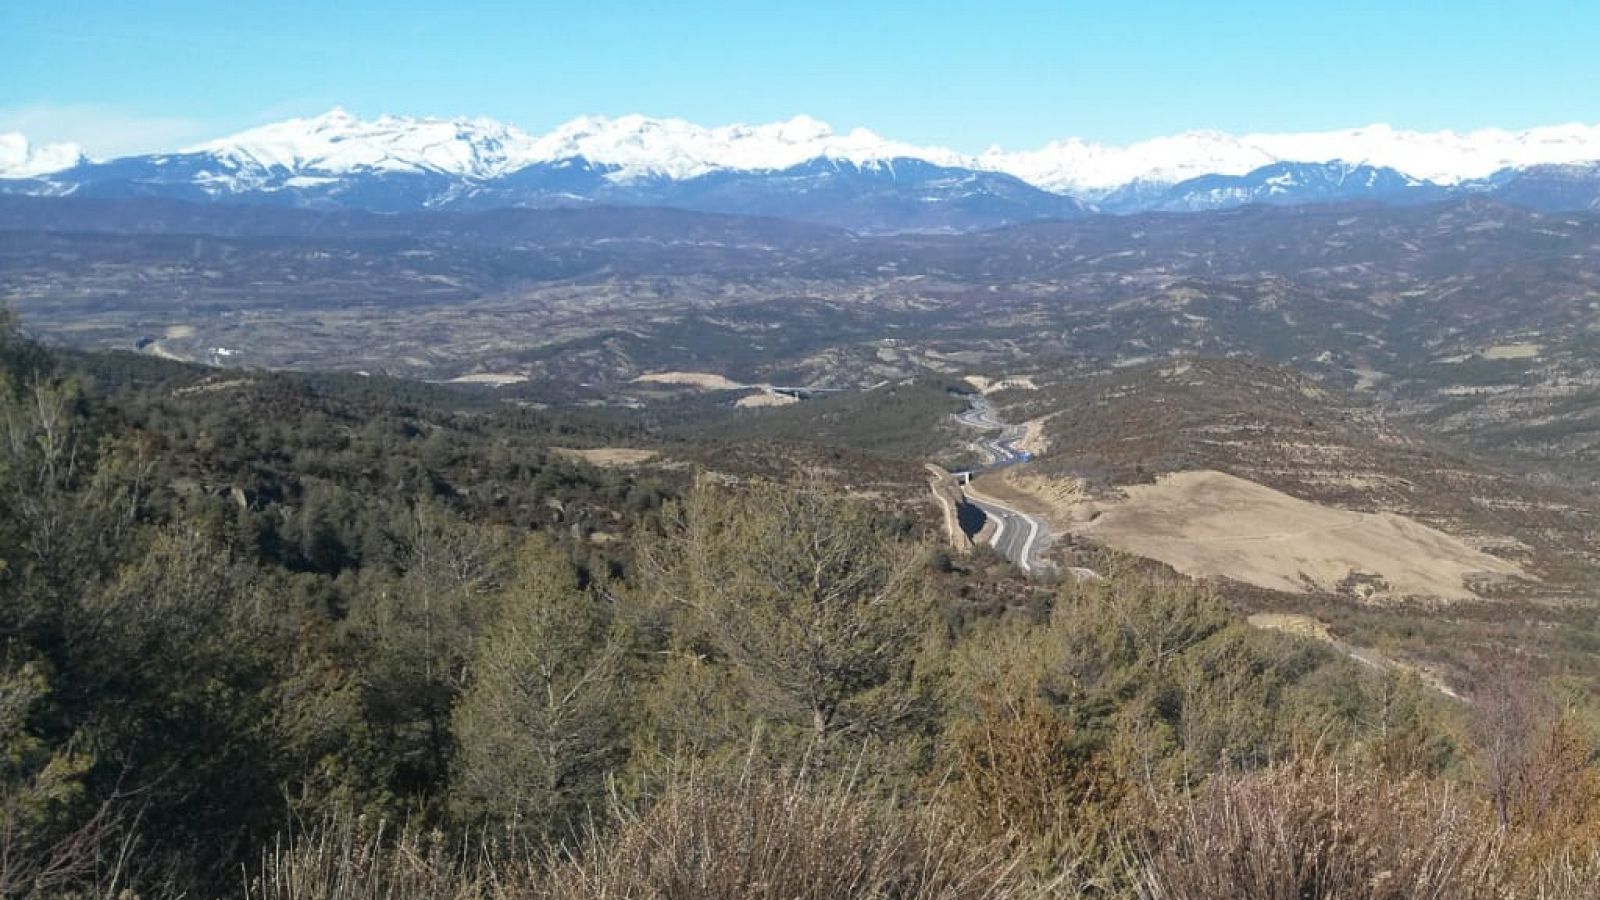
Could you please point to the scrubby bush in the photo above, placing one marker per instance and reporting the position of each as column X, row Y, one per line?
column 1308, row 831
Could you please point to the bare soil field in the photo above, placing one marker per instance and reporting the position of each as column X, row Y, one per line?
column 766, row 398
column 1210, row 524
column 609, row 456
column 492, row 378
column 709, row 381
column 1523, row 350
column 986, row 385
column 1034, row 440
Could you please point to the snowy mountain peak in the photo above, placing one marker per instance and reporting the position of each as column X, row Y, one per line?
column 1442, row 157
column 336, row 115
column 338, row 143
column 634, row 146
column 642, row 147
column 1078, row 166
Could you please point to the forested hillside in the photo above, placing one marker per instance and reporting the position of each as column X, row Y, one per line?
column 294, row 636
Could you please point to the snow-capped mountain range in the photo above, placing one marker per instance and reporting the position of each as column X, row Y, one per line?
column 1443, row 157
column 802, row 168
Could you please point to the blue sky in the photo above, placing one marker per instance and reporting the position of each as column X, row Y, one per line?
column 152, row 74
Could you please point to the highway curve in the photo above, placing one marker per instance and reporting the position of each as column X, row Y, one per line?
column 1017, row 536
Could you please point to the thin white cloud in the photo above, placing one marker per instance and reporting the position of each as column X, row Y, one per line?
column 103, row 132
column 21, row 159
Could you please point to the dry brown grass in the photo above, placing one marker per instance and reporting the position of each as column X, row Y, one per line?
column 1568, row 878
column 780, row 839
column 761, row 838
column 347, row 860
column 1307, row 831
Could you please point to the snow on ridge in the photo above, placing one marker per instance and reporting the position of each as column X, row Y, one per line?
column 636, row 146
column 673, row 148
column 338, row 143
column 642, row 147
column 1079, row 166
column 1443, row 157
column 21, row 159
column 639, row 147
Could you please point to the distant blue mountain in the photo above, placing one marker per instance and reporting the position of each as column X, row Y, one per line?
column 892, row 195
column 1291, row 184
column 1565, row 188
column 880, row 196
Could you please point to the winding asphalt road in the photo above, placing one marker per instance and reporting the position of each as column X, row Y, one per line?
column 1017, row 535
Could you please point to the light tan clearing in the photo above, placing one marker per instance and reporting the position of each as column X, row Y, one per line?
column 608, row 456
column 1368, row 379
column 155, row 348
column 985, row 385
column 1514, row 351
column 208, row 387
column 707, row 381
column 1034, row 441
column 1478, row 390
column 1292, row 623
column 179, row 332
column 1063, row 501
column 766, row 398
column 494, row 378
column 1211, row 524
